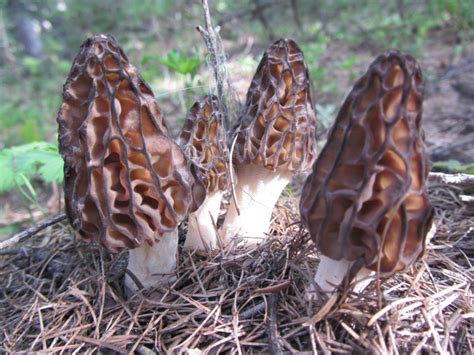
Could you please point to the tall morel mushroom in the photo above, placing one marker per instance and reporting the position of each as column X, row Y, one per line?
column 203, row 140
column 366, row 200
column 275, row 139
column 127, row 184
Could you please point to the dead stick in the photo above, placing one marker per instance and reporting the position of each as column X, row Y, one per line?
column 272, row 325
column 216, row 56
column 461, row 180
column 28, row 233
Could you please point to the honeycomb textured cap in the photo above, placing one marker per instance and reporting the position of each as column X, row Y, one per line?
column 126, row 182
column 277, row 125
column 203, row 140
column 366, row 195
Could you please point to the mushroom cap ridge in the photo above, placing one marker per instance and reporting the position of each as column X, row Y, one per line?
column 366, row 196
column 277, row 124
column 203, row 139
column 126, row 181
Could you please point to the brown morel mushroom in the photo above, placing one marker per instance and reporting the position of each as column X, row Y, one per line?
column 203, row 140
column 274, row 139
column 366, row 200
column 127, row 184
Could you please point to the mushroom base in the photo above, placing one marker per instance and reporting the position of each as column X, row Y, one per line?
column 201, row 224
column 257, row 191
column 153, row 265
column 331, row 273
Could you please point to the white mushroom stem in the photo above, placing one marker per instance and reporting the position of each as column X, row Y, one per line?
column 153, row 265
column 201, row 223
column 257, row 191
column 331, row 273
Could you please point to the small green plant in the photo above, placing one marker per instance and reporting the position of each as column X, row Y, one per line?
column 182, row 63
column 186, row 65
column 19, row 164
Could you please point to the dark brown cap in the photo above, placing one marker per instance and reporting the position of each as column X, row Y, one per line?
column 277, row 124
column 367, row 196
column 126, row 181
column 203, row 140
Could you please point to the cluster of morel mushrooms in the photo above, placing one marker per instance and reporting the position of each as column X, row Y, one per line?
column 128, row 184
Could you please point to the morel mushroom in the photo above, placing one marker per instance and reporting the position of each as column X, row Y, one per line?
column 366, row 199
column 203, row 140
column 274, row 139
column 127, row 184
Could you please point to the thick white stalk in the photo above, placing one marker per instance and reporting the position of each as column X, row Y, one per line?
column 257, row 191
column 331, row 273
column 201, row 229
column 153, row 265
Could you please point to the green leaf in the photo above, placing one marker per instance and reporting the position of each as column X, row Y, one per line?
column 21, row 163
column 181, row 63
column 52, row 171
column 7, row 177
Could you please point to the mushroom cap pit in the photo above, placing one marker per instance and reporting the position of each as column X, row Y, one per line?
column 277, row 125
column 126, row 182
column 367, row 197
column 203, row 140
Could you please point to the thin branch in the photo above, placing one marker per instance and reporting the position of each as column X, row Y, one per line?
column 207, row 17
column 461, row 180
column 28, row 233
column 272, row 325
column 217, row 59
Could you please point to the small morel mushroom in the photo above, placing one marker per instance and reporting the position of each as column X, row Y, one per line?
column 203, row 140
column 275, row 139
column 127, row 184
column 366, row 200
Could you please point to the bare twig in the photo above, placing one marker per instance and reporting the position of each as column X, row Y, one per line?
column 217, row 59
column 272, row 325
column 26, row 234
column 461, row 180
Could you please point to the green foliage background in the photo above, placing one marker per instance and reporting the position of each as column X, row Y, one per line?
column 160, row 37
